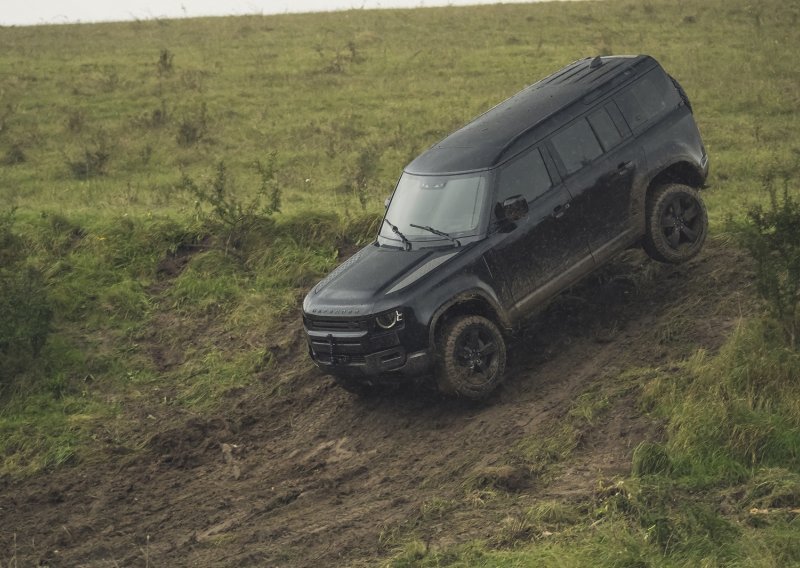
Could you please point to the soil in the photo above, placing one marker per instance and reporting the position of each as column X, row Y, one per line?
column 295, row 471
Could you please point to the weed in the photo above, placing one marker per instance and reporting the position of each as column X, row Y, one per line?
column 14, row 155
column 194, row 79
column 650, row 458
column 5, row 119
column 89, row 162
column 338, row 60
column 145, row 154
column 156, row 118
column 235, row 216
column 514, row 529
column 60, row 234
column 193, row 128
column 772, row 236
column 436, row 508
column 164, row 65
column 76, row 120
column 361, row 176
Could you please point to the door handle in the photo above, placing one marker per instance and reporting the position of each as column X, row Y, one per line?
column 559, row 210
column 622, row 169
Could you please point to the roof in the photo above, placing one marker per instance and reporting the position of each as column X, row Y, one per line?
column 496, row 134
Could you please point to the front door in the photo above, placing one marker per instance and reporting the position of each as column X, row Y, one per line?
column 535, row 251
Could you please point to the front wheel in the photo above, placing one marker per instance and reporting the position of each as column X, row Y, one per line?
column 677, row 224
column 471, row 357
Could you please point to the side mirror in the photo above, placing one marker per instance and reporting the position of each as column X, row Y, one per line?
column 386, row 202
column 512, row 209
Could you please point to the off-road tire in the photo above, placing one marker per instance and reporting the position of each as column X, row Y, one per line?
column 677, row 224
column 471, row 357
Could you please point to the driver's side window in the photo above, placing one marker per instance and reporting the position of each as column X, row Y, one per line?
column 525, row 175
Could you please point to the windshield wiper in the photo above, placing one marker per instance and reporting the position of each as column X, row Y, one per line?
column 437, row 232
column 396, row 231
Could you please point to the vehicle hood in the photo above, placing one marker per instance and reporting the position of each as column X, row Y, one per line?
column 370, row 275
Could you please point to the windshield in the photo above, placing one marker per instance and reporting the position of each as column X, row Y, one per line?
column 454, row 205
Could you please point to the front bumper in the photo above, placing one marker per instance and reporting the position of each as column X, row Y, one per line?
column 391, row 365
column 360, row 354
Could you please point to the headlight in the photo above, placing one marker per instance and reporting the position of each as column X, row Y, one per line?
column 388, row 320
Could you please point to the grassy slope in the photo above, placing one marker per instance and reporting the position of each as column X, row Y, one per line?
column 345, row 100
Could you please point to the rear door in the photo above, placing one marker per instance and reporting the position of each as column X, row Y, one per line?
column 598, row 164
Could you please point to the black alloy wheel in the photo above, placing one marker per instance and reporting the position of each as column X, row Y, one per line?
column 677, row 224
column 471, row 358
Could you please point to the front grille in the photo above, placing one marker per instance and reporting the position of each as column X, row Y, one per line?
column 319, row 324
column 340, row 359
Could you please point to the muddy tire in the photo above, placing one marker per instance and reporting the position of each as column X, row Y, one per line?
column 677, row 224
column 471, row 357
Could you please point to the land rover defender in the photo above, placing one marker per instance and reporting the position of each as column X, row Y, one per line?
column 487, row 225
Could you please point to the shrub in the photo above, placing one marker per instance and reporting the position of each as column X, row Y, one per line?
column 90, row 162
column 772, row 236
column 14, row 155
column 23, row 302
column 156, row 118
column 362, row 175
column 192, row 129
column 164, row 64
column 217, row 202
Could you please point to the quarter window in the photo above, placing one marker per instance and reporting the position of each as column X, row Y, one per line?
column 649, row 96
column 576, row 145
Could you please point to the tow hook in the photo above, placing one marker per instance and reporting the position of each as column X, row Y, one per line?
column 331, row 344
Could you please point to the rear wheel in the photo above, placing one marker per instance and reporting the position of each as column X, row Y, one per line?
column 677, row 224
column 471, row 357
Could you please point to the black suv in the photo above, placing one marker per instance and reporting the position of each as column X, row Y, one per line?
column 487, row 225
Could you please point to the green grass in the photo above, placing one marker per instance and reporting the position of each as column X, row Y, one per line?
column 156, row 295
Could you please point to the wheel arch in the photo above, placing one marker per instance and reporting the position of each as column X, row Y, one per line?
column 683, row 172
column 473, row 302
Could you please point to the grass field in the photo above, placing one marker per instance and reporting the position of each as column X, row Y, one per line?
column 160, row 177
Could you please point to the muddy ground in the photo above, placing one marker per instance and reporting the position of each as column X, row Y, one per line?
column 296, row 472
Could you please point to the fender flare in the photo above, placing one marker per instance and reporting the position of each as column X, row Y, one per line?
column 472, row 294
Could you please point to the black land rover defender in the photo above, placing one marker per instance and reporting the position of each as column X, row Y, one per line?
column 488, row 224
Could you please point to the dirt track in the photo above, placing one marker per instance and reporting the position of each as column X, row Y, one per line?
column 297, row 472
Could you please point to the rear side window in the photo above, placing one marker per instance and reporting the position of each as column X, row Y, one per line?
column 526, row 175
column 646, row 98
column 576, row 145
column 605, row 129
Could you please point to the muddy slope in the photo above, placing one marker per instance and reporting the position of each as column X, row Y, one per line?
column 296, row 472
